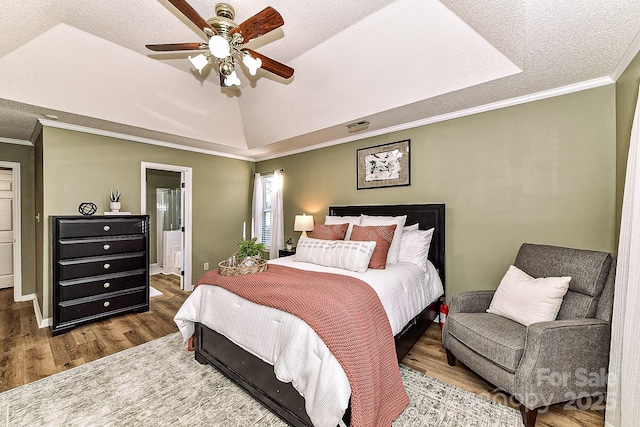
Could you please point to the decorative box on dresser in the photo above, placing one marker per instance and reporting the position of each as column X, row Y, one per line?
column 100, row 267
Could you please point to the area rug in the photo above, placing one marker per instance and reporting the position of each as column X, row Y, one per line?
column 160, row 384
column 153, row 292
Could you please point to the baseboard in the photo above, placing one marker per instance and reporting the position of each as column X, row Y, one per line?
column 154, row 268
column 42, row 323
column 27, row 297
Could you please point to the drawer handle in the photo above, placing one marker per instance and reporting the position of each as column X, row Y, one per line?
column 106, row 285
column 106, row 247
column 107, row 266
column 106, row 304
column 106, row 228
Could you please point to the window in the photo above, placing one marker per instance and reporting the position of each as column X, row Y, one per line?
column 267, row 187
column 267, row 211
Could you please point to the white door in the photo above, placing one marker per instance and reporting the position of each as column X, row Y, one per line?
column 6, row 228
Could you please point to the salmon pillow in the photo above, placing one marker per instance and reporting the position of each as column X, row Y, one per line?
column 382, row 235
column 330, row 232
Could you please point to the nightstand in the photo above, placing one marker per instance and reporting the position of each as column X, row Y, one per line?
column 286, row 252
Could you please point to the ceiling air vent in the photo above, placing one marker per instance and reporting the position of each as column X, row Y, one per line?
column 358, row 127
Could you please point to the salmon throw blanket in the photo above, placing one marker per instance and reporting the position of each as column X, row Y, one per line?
column 347, row 315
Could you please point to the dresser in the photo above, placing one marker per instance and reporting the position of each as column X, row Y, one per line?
column 100, row 267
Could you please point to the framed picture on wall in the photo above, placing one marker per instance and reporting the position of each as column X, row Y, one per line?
column 384, row 165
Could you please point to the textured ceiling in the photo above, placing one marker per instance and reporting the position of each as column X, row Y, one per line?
column 393, row 63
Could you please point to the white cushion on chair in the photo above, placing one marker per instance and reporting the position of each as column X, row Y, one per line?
column 527, row 300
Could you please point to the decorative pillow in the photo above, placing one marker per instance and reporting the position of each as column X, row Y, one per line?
column 414, row 247
column 382, row 235
column 351, row 220
column 330, row 232
column 394, row 251
column 526, row 300
column 345, row 254
column 412, row 227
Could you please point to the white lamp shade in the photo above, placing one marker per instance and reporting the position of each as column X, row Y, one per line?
column 232, row 79
column 303, row 223
column 252, row 64
column 199, row 61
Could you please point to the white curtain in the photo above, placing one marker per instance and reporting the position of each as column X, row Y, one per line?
column 623, row 392
column 277, row 216
column 256, row 208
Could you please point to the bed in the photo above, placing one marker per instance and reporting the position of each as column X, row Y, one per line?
column 251, row 369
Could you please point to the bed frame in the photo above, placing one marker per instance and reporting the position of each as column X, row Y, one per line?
column 257, row 377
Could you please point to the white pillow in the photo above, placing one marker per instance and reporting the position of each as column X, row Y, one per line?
column 394, row 250
column 414, row 247
column 526, row 300
column 351, row 220
column 346, row 254
column 412, row 227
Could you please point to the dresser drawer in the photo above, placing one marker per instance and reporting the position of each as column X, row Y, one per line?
column 98, row 307
column 70, row 228
column 76, row 248
column 92, row 266
column 98, row 285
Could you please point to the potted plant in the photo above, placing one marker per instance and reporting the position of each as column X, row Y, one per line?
column 249, row 249
column 114, row 200
column 289, row 243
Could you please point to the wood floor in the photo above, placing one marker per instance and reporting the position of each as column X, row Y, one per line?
column 428, row 356
column 30, row 353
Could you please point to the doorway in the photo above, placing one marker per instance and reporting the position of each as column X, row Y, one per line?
column 10, row 235
column 166, row 198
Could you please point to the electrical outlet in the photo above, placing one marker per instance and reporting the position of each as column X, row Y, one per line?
column 206, row 265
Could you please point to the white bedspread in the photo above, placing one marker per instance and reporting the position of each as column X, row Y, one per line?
column 296, row 352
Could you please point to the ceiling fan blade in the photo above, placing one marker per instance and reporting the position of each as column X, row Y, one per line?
column 272, row 65
column 260, row 23
column 193, row 16
column 169, row 47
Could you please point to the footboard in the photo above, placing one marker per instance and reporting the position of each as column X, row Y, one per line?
column 252, row 374
column 258, row 379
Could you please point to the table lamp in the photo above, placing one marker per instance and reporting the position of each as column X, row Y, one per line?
column 303, row 223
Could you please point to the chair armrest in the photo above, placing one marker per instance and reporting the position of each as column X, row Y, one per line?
column 562, row 360
column 471, row 302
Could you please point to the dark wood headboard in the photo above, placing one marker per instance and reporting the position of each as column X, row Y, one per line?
column 427, row 216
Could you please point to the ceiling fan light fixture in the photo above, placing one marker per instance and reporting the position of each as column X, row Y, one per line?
column 252, row 63
column 232, row 79
column 226, row 42
column 199, row 61
column 219, row 47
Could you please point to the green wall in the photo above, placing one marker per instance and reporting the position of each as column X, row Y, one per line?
column 541, row 172
column 626, row 99
column 78, row 167
column 550, row 171
column 24, row 155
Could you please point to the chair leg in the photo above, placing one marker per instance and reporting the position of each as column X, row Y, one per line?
column 528, row 416
column 451, row 359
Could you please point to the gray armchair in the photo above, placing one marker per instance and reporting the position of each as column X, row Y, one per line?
column 547, row 362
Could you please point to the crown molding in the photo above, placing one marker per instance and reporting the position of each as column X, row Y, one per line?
column 16, row 141
column 564, row 90
column 150, row 141
column 629, row 55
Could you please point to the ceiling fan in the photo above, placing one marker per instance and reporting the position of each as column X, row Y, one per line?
column 226, row 41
